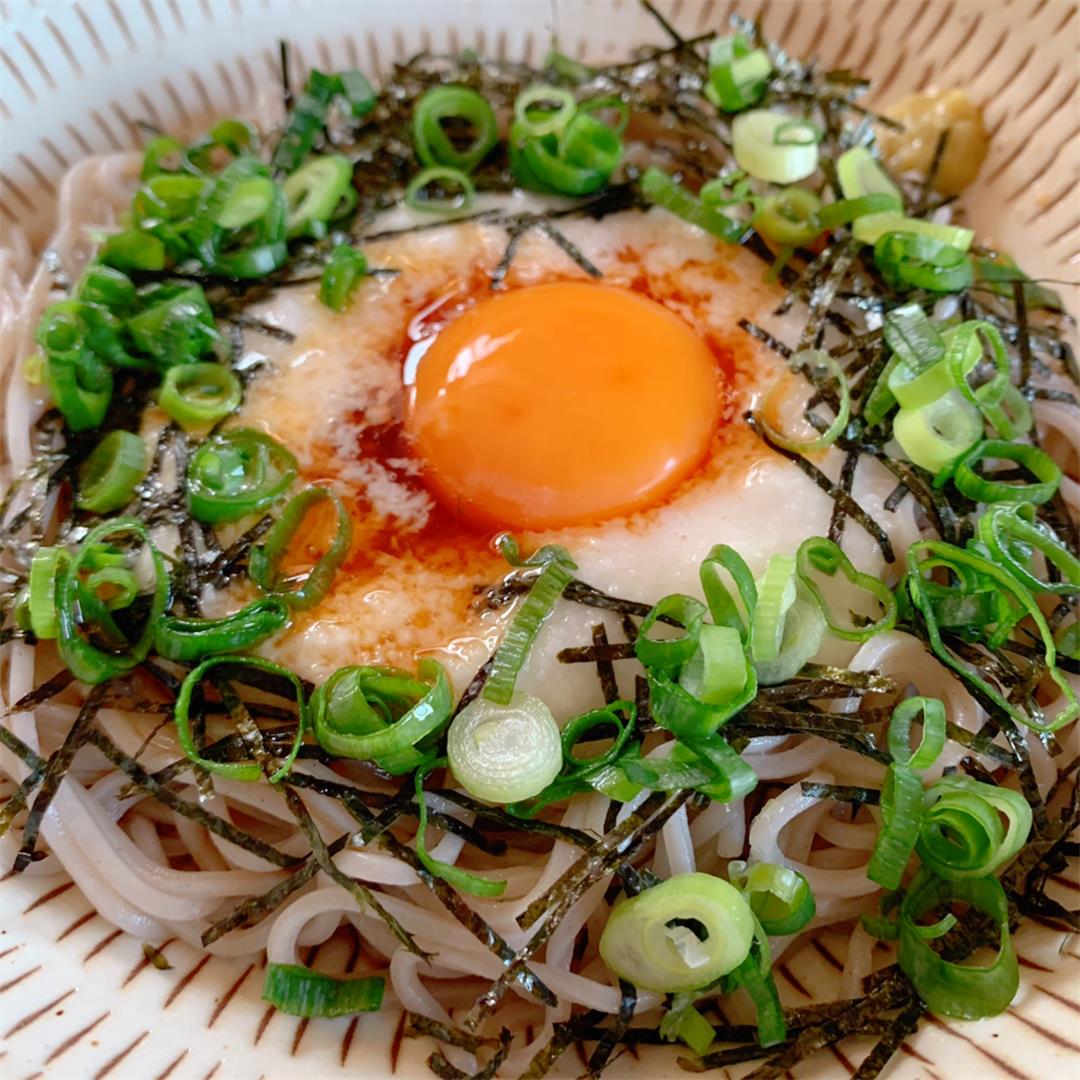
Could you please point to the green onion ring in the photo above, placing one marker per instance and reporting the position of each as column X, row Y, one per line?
column 192, row 640
column 237, row 473
column 265, row 556
column 201, row 393
column 548, row 121
column 933, row 736
column 236, row 770
column 669, row 653
column 811, row 359
column 445, row 177
column 1004, row 526
column 1036, row 461
column 434, row 146
column 115, row 468
column 780, row 897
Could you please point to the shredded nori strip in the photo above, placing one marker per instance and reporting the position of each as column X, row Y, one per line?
column 859, row 796
column 438, row 1064
column 842, row 499
column 55, row 770
column 614, row 1034
column 446, row 1033
column 544, row 1058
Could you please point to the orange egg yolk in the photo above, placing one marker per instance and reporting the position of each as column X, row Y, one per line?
column 562, row 404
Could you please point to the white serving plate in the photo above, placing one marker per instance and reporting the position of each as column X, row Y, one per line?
column 77, row 998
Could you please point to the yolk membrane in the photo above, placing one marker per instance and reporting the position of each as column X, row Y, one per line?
column 562, row 404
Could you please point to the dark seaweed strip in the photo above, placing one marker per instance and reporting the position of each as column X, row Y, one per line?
column 156, row 957
column 846, row 503
column 926, row 193
column 814, row 1038
column 586, row 864
column 438, row 1064
column 816, row 719
column 560, row 240
column 1023, row 341
column 37, row 765
column 860, row 796
column 214, row 823
column 476, row 685
column 446, row 895
column 614, row 1034
column 847, row 482
column 767, row 339
column 252, row 737
column 904, row 1024
column 597, row 653
column 48, row 689
column 620, row 844
column 466, row 832
column 823, row 295
column 605, row 671
column 246, row 322
column 234, row 556
column 446, row 1033
column 1045, row 393
column 498, row 275
column 253, row 910
column 933, row 501
column 57, row 767
column 865, row 746
column 580, row 593
column 500, row 817
column 544, row 1058
column 896, row 497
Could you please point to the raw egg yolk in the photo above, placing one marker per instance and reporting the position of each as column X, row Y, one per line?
column 562, row 404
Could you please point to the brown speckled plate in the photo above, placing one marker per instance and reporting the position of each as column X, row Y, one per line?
column 79, row 999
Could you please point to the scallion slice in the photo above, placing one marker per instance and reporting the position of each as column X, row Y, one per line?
column 909, row 260
column 46, row 567
column 316, row 192
column 870, row 228
column 505, row 752
column 342, row 274
column 195, row 395
column 453, row 104
column 860, row 175
column 544, row 110
column 935, row 435
column 555, row 571
column 780, row 897
column 826, row 557
column 237, row 473
column 775, row 595
column 679, row 935
column 192, row 640
column 671, row 652
column 661, row 189
column 265, row 558
column 952, row 990
column 248, row 771
column 789, row 217
column 738, row 74
column 115, row 468
column 1009, row 530
column 982, row 489
column 299, row 991
column 818, row 364
column 775, row 146
column 962, row 835
column 459, row 190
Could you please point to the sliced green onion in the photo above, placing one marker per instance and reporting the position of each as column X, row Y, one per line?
column 46, row 567
column 457, row 104
column 775, row 595
column 962, row 835
column 606, row 103
column 816, row 362
column 731, row 778
column 589, row 143
column 845, row 211
column 738, row 74
column 76, row 630
column 298, row 991
column 192, row 640
column 754, row 975
column 109, row 476
column 951, row 990
column 933, row 736
column 237, row 473
column 577, row 728
column 198, row 394
column 80, row 386
column 661, row 189
column 927, row 555
column 579, row 162
column 460, row 879
column 775, row 146
column 779, row 896
column 825, row 556
column 860, row 174
column 679, row 935
column 265, row 558
column 722, row 607
column 936, row 435
column 315, row 192
column 382, row 714
column 789, row 217
column 103, row 285
column 342, row 274
column 683, row 1022
column 718, row 670
column 804, row 627
column 908, row 260
column 449, row 180
column 901, row 811
column 248, row 771
column 870, row 228
column 1006, row 529
column 161, row 154
column 556, row 570
column 670, row 653
column 174, row 324
column 918, row 346
column 247, row 203
column 505, row 753
column 984, row 490
column 1068, row 641
column 308, row 118
column 133, row 250
column 544, row 121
